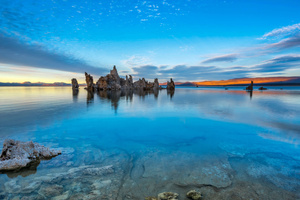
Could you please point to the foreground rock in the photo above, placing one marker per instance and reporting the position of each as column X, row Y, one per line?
column 193, row 194
column 74, row 83
column 168, row 196
column 16, row 154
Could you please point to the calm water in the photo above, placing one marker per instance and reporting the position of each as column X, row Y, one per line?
column 229, row 144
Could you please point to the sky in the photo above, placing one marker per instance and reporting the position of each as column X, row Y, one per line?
column 188, row 40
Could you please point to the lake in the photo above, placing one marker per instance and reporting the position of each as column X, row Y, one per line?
column 228, row 144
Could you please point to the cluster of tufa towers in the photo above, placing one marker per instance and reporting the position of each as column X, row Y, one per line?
column 112, row 81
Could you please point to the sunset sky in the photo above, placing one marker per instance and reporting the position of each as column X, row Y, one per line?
column 191, row 40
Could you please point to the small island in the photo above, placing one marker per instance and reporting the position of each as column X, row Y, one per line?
column 113, row 81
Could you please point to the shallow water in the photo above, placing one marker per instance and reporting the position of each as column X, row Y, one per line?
column 228, row 144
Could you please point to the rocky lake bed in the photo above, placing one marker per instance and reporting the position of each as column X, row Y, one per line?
column 114, row 149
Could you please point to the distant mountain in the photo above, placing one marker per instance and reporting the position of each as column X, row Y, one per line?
column 263, row 81
column 35, row 84
column 181, row 83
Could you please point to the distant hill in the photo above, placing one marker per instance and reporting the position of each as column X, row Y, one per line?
column 263, row 81
column 35, row 84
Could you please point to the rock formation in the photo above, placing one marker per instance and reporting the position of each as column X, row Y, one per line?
column 156, row 84
column 193, row 194
column 16, row 154
column 170, row 85
column 115, row 75
column 113, row 81
column 168, row 196
column 74, row 83
column 262, row 88
column 250, row 87
column 89, row 82
column 102, row 83
column 128, row 83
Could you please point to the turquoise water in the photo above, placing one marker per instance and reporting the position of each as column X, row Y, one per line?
column 228, row 144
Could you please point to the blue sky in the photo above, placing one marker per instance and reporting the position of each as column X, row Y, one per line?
column 55, row 40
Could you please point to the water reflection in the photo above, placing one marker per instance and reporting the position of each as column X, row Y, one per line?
column 152, row 140
column 251, row 93
column 24, row 172
column 75, row 94
column 115, row 96
column 90, row 97
column 171, row 93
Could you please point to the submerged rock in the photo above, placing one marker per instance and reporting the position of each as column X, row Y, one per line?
column 193, row 194
column 150, row 198
column 16, row 154
column 50, row 191
column 262, row 88
column 99, row 170
column 74, row 83
column 168, row 196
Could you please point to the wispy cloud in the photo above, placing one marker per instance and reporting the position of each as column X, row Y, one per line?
column 287, row 30
column 287, row 43
column 278, row 64
column 222, row 58
column 14, row 52
column 194, row 73
column 136, row 60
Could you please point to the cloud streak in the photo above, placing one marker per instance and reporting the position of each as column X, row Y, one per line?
column 194, row 73
column 14, row 52
column 287, row 43
column 282, row 31
column 223, row 58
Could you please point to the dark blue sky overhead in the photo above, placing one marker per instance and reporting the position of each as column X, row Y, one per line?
column 188, row 40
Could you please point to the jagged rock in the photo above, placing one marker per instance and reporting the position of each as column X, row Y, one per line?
column 112, row 81
column 122, row 82
column 140, row 84
column 193, row 194
column 156, row 84
column 102, row 83
column 89, row 82
column 115, row 75
column 150, row 198
column 168, row 196
column 171, row 85
column 74, row 83
column 250, row 87
column 16, row 154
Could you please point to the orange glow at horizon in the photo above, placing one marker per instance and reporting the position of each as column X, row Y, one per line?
column 245, row 81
